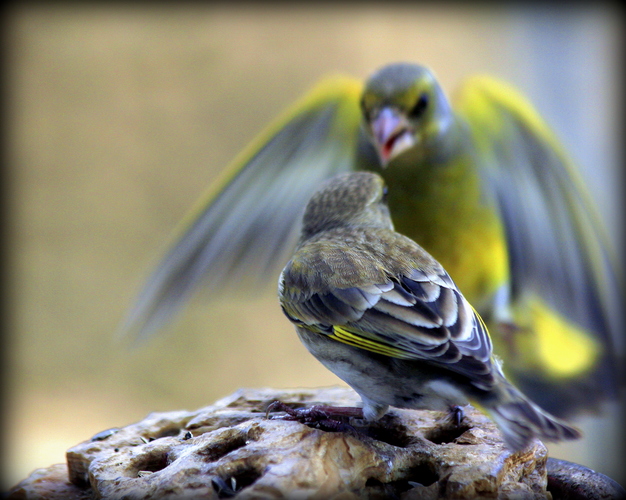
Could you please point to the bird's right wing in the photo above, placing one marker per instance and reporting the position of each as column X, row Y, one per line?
column 246, row 225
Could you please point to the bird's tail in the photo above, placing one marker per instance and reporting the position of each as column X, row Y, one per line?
column 520, row 420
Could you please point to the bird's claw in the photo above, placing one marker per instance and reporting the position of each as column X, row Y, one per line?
column 318, row 416
column 303, row 415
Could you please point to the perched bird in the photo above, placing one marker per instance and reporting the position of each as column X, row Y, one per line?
column 382, row 314
column 480, row 182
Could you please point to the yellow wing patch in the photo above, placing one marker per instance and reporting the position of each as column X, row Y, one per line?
column 559, row 348
column 350, row 338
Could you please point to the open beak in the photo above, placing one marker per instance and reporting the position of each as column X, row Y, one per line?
column 392, row 134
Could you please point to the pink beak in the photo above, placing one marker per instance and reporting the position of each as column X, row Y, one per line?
column 387, row 127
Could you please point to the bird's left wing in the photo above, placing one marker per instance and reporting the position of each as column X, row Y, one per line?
column 559, row 254
column 247, row 223
column 412, row 316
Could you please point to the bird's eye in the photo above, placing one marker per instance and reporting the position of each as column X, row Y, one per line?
column 385, row 193
column 420, row 106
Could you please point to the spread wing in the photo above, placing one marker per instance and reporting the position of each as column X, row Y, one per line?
column 557, row 248
column 247, row 224
column 414, row 316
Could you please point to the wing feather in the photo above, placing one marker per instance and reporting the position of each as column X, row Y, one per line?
column 247, row 224
column 557, row 247
column 403, row 318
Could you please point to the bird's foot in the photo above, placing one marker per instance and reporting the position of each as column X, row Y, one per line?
column 319, row 416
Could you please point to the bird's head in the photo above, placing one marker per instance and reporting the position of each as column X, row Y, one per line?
column 355, row 199
column 404, row 109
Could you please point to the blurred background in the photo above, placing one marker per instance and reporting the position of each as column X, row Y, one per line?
column 119, row 116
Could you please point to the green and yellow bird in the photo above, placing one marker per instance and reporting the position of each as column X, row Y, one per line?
column 480, row 182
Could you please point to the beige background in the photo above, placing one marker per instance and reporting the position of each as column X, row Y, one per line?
column 119, row 117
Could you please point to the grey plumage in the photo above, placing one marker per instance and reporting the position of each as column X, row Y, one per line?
column 382, row 314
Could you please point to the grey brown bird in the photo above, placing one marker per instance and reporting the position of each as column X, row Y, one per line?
column 382, row 314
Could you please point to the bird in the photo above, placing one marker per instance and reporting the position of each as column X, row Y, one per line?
column 382, row 314
column 478, row 180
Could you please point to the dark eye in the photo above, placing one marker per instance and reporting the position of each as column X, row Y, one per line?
column 385, row 193
column 420, row 106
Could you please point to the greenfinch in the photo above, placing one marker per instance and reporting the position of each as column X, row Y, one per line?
column 480, row 182
column 382, row 314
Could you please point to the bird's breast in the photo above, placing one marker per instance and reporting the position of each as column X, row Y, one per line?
column 444, row 209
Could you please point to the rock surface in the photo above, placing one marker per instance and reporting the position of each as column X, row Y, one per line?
column 230, row 449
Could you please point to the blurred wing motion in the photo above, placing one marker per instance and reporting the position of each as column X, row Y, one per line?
column 247, row 224
column 559, row 260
